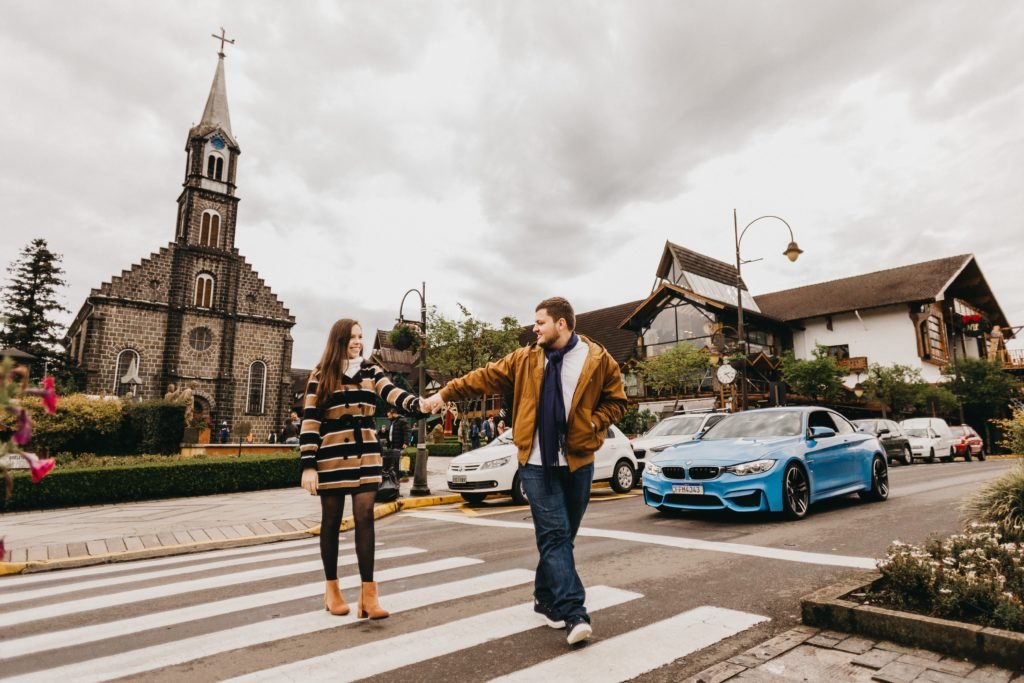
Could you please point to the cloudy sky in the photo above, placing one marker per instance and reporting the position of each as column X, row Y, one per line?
column 507, row 151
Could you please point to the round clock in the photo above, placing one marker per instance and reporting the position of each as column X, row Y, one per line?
column 726, row 374
column 217, row 142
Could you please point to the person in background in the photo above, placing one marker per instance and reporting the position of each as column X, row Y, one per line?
column 474, row 434
column 488, row 430
column 568, row 390
column 464, row 433
column 501, row 427
column 225, row 433
column 341, row 456
column 398, row 431
column 290, row 432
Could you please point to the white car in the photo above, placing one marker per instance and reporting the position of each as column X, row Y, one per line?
column 930, row 438
column 672, row 430
column 494, row 468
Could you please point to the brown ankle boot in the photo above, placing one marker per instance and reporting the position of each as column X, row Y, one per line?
column 368, row 605
column 333, row 600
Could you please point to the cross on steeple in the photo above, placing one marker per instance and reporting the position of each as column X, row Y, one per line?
column 222, row 40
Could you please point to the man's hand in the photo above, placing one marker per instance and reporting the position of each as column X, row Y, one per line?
column 432, row 404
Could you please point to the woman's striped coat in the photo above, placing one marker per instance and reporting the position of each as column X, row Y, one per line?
column 339, row 438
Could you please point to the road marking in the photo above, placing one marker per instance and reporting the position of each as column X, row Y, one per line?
column 381, row 656
column 153, row 592
column 19, row 580
column 674, row 542
column 122, row 577
column 645, row 649
column 267, row 631
column 54, row 640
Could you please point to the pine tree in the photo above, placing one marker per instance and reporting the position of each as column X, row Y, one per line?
column 29, row 302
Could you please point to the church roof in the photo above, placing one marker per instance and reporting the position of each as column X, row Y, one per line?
column 216, row 115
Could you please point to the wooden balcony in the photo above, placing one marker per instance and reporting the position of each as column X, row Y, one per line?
column 1014, row 359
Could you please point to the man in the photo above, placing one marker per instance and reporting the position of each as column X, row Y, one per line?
column 291, row 429
column 567, row 392
column 488, row 428
column 397, row 430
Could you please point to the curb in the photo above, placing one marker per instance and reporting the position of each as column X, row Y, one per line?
column 826, row 608
column 379, row 511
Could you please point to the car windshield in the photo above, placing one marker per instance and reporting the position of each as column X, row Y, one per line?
column 865, row 425
column 957, row 431
column 675, row 426
column 504, row 438
column 756, row 425
column 921, row 432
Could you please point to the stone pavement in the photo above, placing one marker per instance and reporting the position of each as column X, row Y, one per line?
column 70, row 537
column 806, row 653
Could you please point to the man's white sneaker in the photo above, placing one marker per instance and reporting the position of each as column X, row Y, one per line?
column 577, row 631
column 549, row 618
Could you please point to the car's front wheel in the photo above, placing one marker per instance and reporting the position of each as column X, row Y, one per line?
column 967, row 454
column 931, row 455
column 623, row 477
column 519, row 491
column 879, row 481
column 796, row 492
column 981, row 455
column 473, row 498
column 908, row 456
column 952, row 454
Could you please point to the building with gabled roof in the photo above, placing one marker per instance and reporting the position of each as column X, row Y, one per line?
column 195, row 313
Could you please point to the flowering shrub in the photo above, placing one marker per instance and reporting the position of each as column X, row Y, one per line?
column 976, row 577
column 1001, row 502
column 1013, row 432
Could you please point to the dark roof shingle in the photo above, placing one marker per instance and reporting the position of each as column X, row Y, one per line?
column 602, row 326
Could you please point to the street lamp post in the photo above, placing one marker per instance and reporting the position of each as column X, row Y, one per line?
column 792, row 253
column 419, row 479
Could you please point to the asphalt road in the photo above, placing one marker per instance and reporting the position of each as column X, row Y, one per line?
column 459, row 580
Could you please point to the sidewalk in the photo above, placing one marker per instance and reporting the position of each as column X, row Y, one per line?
column 73, row 537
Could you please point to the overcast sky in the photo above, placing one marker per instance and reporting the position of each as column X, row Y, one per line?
column 508, row 151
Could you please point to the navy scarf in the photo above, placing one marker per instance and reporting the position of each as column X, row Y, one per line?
column 551, row 418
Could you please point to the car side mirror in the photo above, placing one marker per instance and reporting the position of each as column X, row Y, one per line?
column 822, row 432
column 883, row 430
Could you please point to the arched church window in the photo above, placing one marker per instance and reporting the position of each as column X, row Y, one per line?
column 126, row 372
column 257, row 387
column 211, row 165
column 209, row 229
column 215, row 167
column 204, row 290
column 219, row 174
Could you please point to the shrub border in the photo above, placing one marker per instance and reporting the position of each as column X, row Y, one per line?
column 828, row 608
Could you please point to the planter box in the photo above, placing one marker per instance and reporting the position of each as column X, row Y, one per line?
column 828, row 608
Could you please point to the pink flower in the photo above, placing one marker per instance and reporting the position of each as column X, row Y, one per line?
column 49, row 396
column 40, row 468
column 24, row 433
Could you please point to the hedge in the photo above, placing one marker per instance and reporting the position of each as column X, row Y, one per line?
column 444, row 449
column 84, row 425
column 152, row 481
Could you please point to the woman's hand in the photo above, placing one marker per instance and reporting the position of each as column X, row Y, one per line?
column 309, row 480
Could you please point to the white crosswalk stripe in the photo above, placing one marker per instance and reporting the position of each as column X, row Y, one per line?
column 114, row 634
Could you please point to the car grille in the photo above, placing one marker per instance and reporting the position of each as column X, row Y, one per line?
column 464, row 468
column 674, row 472
column 690, row 499
column 472, row 485
column 703, row 472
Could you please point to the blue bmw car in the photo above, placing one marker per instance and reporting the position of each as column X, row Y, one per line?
column 770, row 460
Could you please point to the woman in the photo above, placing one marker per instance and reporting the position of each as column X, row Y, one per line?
column 340, row 454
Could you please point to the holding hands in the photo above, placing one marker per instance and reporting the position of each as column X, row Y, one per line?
column 432, row 404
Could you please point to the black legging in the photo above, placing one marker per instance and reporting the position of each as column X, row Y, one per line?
column 332, row 507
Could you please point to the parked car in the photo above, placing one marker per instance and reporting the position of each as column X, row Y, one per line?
column 930, row 438
column 494, row 468
column 892, row 438
column 773, row 459
column 672, row 430
column 967, row 442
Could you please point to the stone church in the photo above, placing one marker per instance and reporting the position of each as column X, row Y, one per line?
column 194, row 314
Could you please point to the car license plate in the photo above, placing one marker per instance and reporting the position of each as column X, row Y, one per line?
column 458, row 478
column 688, row 488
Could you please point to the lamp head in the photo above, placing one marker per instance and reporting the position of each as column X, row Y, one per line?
column 858, row 390
column 792, row 251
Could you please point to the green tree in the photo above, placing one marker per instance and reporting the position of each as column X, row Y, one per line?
column 819, row 377
column 935, row 399
column 674, row 370
column 29, row 303
column 896, row 387
column 982, row 387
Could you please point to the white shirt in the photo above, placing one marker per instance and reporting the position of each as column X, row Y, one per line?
column 572, row 368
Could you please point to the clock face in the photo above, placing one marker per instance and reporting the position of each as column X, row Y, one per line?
column 726, row 374
column 217, row 142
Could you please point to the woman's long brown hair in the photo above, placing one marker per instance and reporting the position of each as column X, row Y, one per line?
column 334, row 360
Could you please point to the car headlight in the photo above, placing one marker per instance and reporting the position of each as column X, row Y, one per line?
column 499, row 462
column 651, row 468
column 752, row 467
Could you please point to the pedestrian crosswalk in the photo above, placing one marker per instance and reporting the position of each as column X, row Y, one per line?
column 256, row 614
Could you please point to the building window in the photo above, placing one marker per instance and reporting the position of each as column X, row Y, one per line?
column 215, row 166
column 209, row 230
column 257, row 387
column 840, row 351
column 933, row 341
column 200, row 338
column 204, row 291
column 126, row 372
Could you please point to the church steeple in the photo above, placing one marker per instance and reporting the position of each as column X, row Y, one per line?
column 207, row 205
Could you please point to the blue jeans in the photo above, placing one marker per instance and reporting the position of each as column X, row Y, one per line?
column 557, row 512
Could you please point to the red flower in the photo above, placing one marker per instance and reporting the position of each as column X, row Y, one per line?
column 40, row 468
column 24, row 433
column 49, row 396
